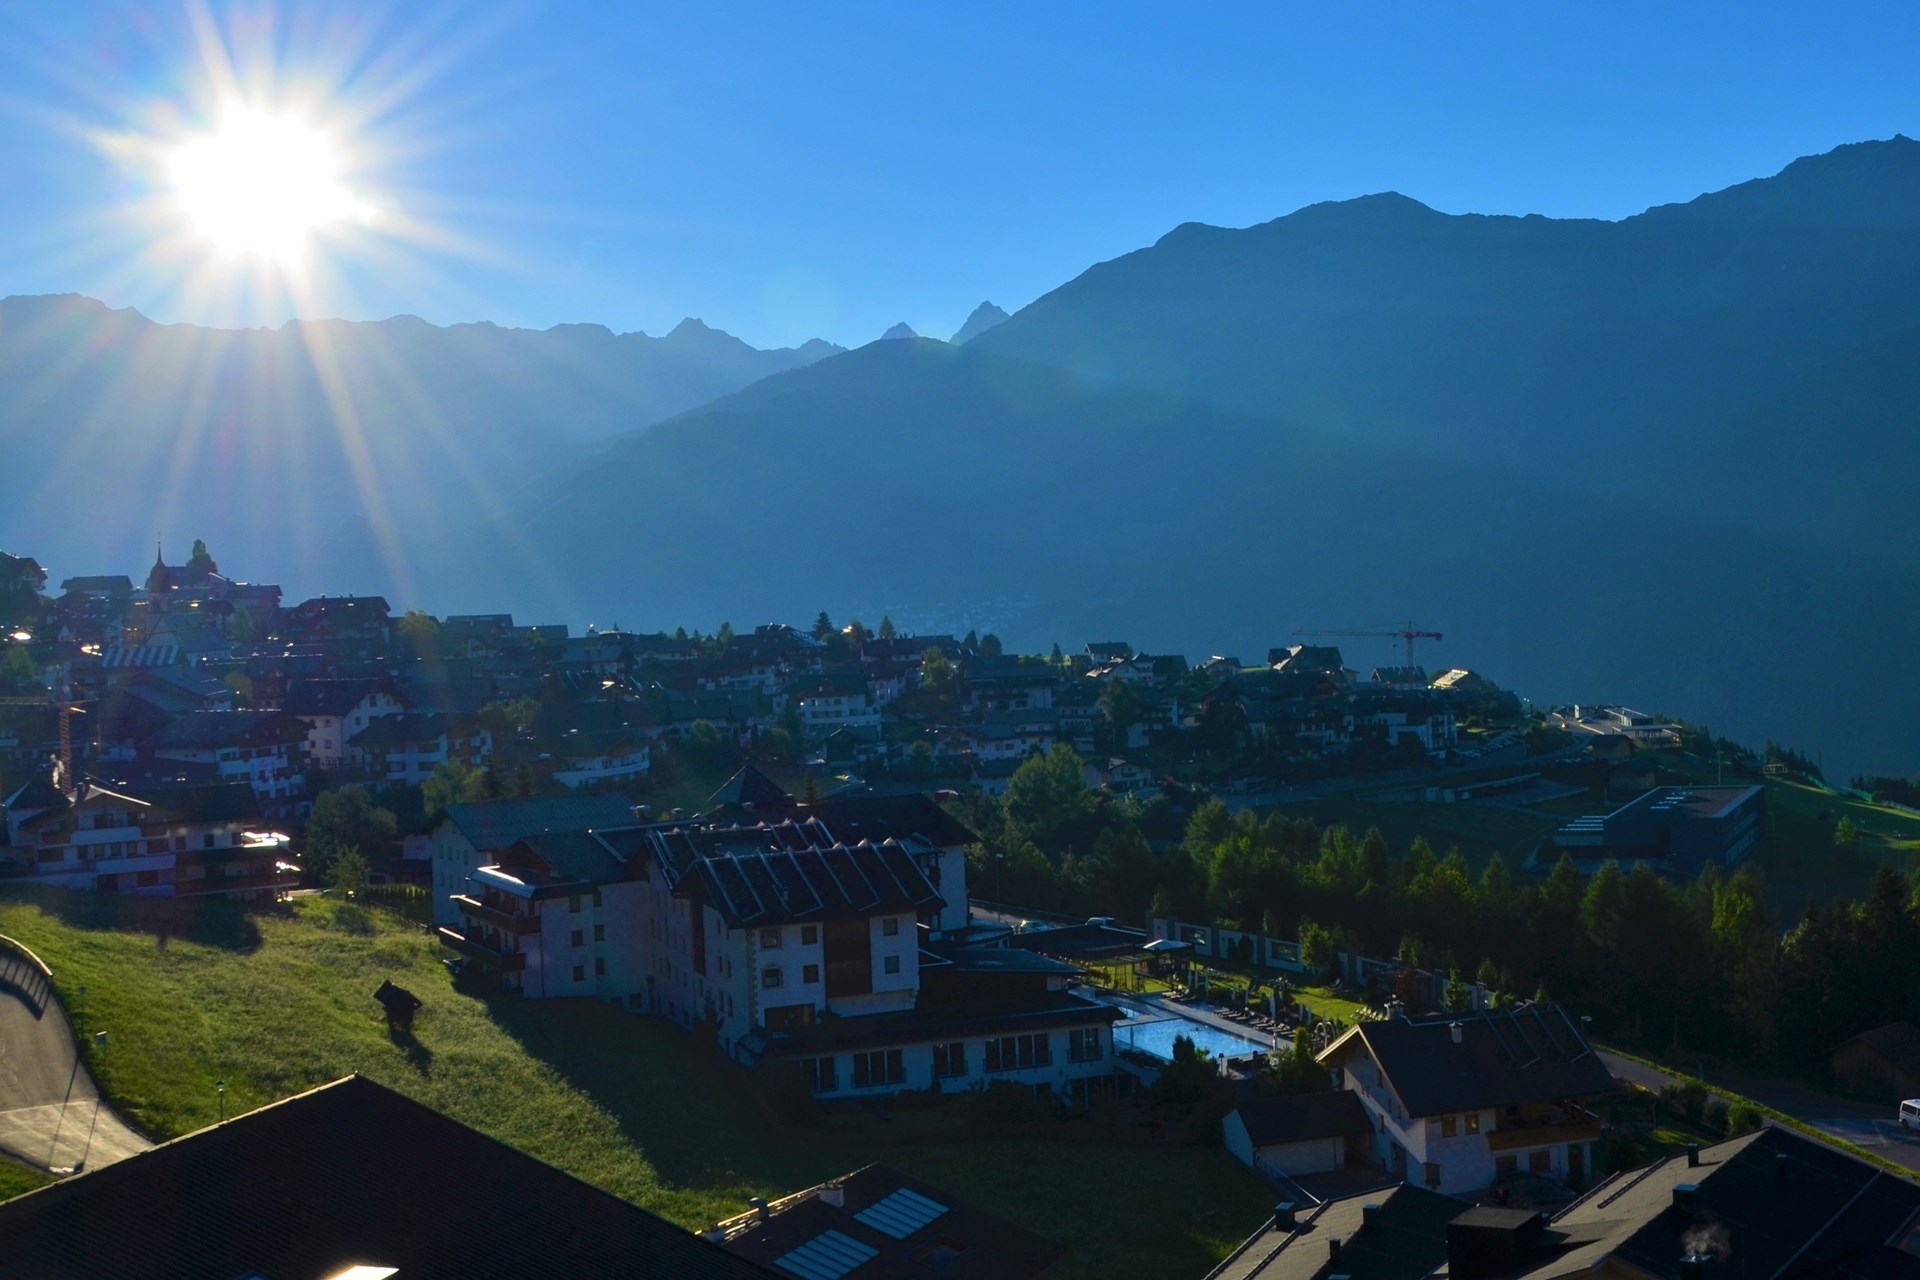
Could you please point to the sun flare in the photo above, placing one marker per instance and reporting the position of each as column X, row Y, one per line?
column 262, row 186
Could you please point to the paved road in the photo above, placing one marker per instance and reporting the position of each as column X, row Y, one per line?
column 1873, row 1128
column 51, row 1116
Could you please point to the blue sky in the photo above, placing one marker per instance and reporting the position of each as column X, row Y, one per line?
column 788, row 171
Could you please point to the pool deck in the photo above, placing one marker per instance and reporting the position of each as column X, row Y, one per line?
column 1202, row 1014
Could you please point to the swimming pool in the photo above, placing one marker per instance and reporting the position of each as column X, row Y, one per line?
column 1155, row 1036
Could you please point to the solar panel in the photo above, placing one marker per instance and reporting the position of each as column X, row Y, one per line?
column 901, row 1214
column 827, row 1256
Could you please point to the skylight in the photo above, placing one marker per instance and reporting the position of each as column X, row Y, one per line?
column 901, row 1214
column 827, row 1256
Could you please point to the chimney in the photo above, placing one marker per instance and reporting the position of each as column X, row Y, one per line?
column 1369, row 1215
column 759, row 1204
column 833, row 1194
column 1283, row 1218
column 1684, row 1194
column 1453, row 1029
column 1333, row 1251
column 1693, row 1155
column 1780, row 1171
column 1395, row 1009
column 1693, row 1266
column 715, row 1234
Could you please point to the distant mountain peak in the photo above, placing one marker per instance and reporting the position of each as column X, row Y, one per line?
column 901, row 330
column 1858, row 185
column 984, row 317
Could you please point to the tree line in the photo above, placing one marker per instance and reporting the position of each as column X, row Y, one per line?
column 1700, row 966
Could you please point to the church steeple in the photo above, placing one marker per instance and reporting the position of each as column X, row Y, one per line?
column 158, row 578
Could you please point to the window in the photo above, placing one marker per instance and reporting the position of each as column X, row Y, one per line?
column 1010, row 1053
column 809, row 935
column 579, row 973
column 890, row 927
column 1446, row 1126
column 891, row 964
column 1473, row 1121
column 820, row 1072
column 579, row 939
column 573, row 903
column 882, row 1066
column 599, row 933
column 809, row 973
column 206, row 841
column 1433, row 1175
column 769, row 939
column 599, row 968
column 1083, row 1044
column 949, row 1060
column 596, row 898
column 770, row 977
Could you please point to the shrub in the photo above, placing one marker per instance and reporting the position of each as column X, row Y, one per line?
column 1741, row 1117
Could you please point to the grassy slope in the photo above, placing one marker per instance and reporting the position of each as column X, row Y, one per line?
column 17, row 1179
column 624, row 1102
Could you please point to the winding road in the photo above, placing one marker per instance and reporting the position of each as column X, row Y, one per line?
column 51, row 1116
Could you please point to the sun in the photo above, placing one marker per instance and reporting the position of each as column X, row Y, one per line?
column 262, row 186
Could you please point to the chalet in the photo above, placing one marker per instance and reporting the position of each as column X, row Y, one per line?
column 339, row 622
column 1458, row 1101
column 326, row 1183
column 405, row 748
column 22, row 581
column 467, row 836
column 267, row 750
column 1010, row 683
column 876, row 1224
column 101, row 835
column 830, row 704
column 1100, row 652
column 1118, row 774
column 335, row 710
column 595, row 758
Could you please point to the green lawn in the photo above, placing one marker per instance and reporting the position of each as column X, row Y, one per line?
column 17, row 1179
column 277, row 1004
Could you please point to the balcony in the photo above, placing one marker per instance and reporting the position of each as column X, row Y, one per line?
column 486, row 957
column 1543, row 1135
column 506, row 921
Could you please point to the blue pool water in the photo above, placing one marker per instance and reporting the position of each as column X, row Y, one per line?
column 1156, row 1038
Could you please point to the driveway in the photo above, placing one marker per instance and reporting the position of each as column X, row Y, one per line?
column 51, row 1116
column 1870, row 1127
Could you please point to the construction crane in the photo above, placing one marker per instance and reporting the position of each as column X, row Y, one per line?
column 66, row 707
column 1408, row 633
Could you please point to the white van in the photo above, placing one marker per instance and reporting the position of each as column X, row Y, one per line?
column 1910, row 1114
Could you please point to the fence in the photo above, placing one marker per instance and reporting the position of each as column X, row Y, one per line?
column 408, row 901
column 26, row 973
column 1214, row 942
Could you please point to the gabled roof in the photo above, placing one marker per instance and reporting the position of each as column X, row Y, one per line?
column 495, row 824
column 562, row 860
column 1533, row 1053
column 1304, row 1119
column 1897, row 1042
column 1403, row 1238
column 776, row 873
column 334, row 1177
column 333, row 697
column 853, row 818
column 748, row 787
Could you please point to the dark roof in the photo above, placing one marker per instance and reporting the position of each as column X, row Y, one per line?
column 1534, row 1053
column 748, row 787
column 853, row 818
column 118, row 584
column 775, row 873
column 495, row 824
column 999, row 960
column 1044, row 1011
column 1897, row 1042
column 562, row 858
column 351, row 1172
column 1083, row 940
column 1405, row 1239
column 1305, row 1118
column 331, row 697
column 409, row 726
column 211, row 730
column 897, row 1219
